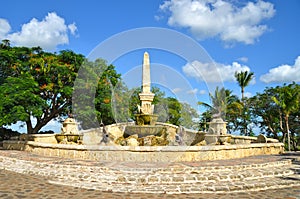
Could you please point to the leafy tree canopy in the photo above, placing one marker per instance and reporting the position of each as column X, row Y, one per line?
column 36, row 84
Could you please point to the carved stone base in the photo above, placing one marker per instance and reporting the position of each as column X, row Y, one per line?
column 217, row 127
column 145, row 119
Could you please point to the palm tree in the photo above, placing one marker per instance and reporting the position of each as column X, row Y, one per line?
column 5, row 44
column 218, row 101
column 223, row 101
column 243, row 78
column 288, row 101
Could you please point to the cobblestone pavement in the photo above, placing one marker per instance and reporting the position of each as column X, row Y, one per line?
column 16, row 185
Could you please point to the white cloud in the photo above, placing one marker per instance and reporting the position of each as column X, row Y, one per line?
column 193, row 91
column 72, row 27
column 202, row 92
column 211, row 18
column 248, row 94
column 4, row 28
column 213, row 72
column 47, row 33
column 243, row 59
column 283, row 73
column 176, row 90
column 158, row 17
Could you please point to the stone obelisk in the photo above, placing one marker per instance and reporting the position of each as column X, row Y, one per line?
column 146, row 74
column 146, row 97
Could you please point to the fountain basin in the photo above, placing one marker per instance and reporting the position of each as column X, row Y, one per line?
column 146, row 153
column 143, row 131
column 67, row 137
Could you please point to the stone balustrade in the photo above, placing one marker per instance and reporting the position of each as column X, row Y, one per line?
column 147, row 153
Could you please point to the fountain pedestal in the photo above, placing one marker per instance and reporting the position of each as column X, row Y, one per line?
column 143, row 131
column 217, row 132
column 145, row 119
column 69, row 132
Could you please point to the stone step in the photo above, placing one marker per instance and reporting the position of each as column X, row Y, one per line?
column 213, row 177
column 198, row 187
column 275, row 178
column 178, row 178
column 156, row 176
column 252, row 184
column 176, row 170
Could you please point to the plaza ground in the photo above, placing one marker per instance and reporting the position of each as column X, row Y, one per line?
column 18, row 185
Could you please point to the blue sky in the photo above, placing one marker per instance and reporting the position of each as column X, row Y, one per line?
column 260, row 36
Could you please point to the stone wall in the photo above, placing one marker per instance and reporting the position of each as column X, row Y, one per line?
column 147, row 153
column 95, row 135
column 44, row 138
column 237, row 139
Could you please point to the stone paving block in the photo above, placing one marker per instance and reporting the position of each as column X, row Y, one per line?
column 201, row 178
column 190, row 178
column 221, row 188
column 178, row 179
column 152, row 179
column 213, row 178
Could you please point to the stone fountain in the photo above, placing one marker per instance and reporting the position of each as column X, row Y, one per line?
column 147, row 140
column 217, row 132
column 147, row 131
column 69, row 132
column 145, row 119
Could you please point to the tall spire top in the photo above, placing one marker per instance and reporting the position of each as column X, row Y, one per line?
column 146, row 74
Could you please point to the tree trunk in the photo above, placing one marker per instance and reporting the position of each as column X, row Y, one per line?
column 29, row 127
column 37, row 128
column 288, row 131
column 40, row 124
column 242, row 91
column 32, row 130
column 244, row 114
column 275, row 135
column 293, row 141
column 244, row 120
column 281, row 128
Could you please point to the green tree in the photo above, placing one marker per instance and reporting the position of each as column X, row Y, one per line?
column 121, row 100
column 94, row 94
column 103, row 100
column 225, row 105
column 188, row 116
column 83, row 97
column 276, row 111
column 5, row 43
column 205, row 118
column 295, row 130
column 218, row 103
column 36, row 85
column 266, row 113
column 288, row 101
column 243, row 78
column 174, row 111
column 222, row 102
